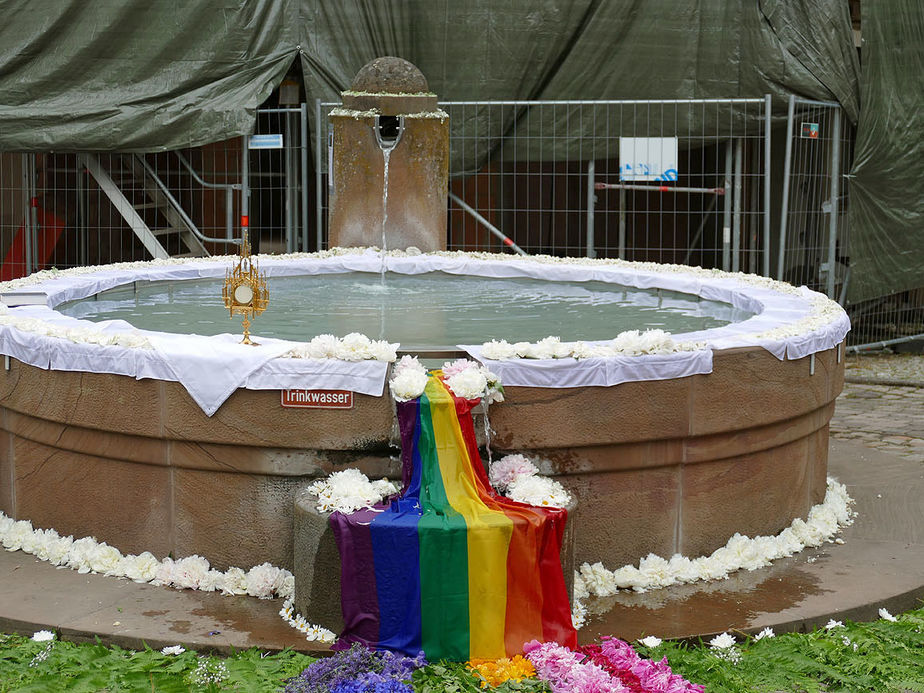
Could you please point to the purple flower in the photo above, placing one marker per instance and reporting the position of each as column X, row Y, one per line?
column 357, row 670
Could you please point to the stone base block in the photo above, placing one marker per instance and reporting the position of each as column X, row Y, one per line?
column 317, row 562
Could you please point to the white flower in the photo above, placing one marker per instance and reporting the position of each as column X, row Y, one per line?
column 765, row 633
column 43, row 636
column 173, row 650
column 261, row 580
column 349, row 490
column 884, row 613
column 235, row 582
column 354, row 347
column 538, row 490
column 165, row 572
column 14, row 537
column 722, row 642
column 55, row 548
column 212, row 581
column 105, row 559
column 188, row 572
column 287, row 589
column 832, row 624
column 141, row 568
column 381, row 350
column 470, row 383
column 655, row 571
column 651, row 641
column 457, row 366
column 81, row 553
column 598, row 580
column 324, row 346
column 508, row 469
column 498, row 351
column 578, row 614
column 408, row 384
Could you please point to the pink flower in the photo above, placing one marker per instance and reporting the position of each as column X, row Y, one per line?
column 456, row 367
column 567, row 672
column 508, row 469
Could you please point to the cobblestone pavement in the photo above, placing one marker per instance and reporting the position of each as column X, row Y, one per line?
column 884, row 416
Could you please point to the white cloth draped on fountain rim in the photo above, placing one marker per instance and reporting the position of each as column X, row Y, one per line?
column 789, row 323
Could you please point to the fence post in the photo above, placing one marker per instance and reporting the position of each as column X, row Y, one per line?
column 591, row 198
column 787, row 165
column 767, row 106
column 726, row 216
column 835, row 192
column 288, row 162
column 318, row 176
column 245, row 184
column 27, row 215
column 303, row 111
column 622, row 224
column 736, row 218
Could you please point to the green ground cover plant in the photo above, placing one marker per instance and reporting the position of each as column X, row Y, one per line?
column 882, row 656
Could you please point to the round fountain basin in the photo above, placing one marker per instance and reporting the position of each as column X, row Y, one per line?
column 666, row 465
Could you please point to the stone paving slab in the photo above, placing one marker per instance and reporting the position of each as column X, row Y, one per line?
column 38, row 596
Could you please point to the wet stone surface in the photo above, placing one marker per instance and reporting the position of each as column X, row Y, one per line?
column 881, row 415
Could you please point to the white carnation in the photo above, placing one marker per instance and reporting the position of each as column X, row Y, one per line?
column 54, row 548
column 349, row 490
column 507, row 469
column 105, row 559
column 383, row 351
column 498, row 351
column 655, row 571
column 261, row 580
column 286, row 590
column 212, row 581
column 14, row 537
column 81, row 554
column 538, row 490
column 354, row 347
column 324, row 346
column 165, row 572
column 470, row 383
column 188, row 572
column 235, row 582
column 141, row 568
column 408, row 384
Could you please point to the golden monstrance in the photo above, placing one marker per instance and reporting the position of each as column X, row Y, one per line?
column 244, row 291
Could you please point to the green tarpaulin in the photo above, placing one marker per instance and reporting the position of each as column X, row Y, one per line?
column 129, row 75
column 122, row 75
column 886, row 192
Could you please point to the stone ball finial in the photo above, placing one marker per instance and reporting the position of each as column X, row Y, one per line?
column 389, row 75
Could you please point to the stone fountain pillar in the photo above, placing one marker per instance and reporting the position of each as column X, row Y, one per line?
column 389, row 111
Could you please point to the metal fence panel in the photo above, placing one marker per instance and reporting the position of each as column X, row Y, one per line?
column 562, row 178
column 549, row 176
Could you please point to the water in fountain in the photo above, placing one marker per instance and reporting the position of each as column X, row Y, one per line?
column 426, row 310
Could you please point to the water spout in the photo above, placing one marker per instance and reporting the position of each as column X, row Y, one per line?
column 388, row 131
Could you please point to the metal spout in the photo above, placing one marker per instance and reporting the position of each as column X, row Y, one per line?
column 388, row 131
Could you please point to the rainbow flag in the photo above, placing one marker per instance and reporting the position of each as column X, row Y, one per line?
column 450, row 567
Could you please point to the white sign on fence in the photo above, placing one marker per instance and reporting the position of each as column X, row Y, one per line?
column 265, row 142
column 648, row 158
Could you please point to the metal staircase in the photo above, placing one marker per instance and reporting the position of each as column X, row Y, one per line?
column 149, row 208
